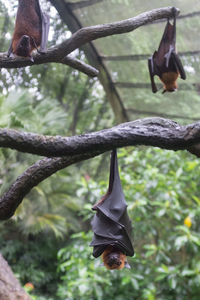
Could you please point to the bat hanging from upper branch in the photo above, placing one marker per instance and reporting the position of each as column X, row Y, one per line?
column 111, row 224
column 31, row 30
column 165, row 63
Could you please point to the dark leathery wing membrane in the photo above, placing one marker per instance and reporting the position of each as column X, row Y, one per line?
column 111, row 224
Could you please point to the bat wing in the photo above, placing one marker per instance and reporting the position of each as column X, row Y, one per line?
column 44, row 23
column 152, row 72
column 179, row 65
column 45, row 32
column 108, row 232
column 167, row 45
column 111, row 224
column 10, row 50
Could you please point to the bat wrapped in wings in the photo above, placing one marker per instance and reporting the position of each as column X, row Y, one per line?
column 165, row 63
column 111, row 224
column 31, row 29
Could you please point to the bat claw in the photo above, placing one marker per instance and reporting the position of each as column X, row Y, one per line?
column 31, row 59
column 175, row 11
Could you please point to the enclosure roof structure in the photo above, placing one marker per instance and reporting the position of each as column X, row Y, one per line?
column 122, row 59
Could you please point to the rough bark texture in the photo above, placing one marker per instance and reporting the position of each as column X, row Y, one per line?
column 10, row 288
column 85, row 35
column 156, row 132
column 18, row 62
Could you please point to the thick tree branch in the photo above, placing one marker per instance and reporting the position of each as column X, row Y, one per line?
column 33, row 176
column 84, row 35
column 158, row 132
column 88, row 34
column 9, row 63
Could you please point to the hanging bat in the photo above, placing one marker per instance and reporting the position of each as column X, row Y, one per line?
column 165, row 62
column 111, row 224
column 31, row 30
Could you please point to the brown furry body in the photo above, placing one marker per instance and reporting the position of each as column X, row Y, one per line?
column 28, row 28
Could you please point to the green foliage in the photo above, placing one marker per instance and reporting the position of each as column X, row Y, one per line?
column 161, row 188
column 32, row 259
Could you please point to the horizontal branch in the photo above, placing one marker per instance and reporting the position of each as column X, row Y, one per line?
column 88, row 34
column 31, row 177
column 156, row 132
column 18, row 62
column 190, row 15
column 85, row 35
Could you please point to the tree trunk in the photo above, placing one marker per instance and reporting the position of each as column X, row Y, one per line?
column 10, row 288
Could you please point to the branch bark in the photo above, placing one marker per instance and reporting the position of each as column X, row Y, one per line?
column 84, row 35
column 156, row 132
column 18, row 62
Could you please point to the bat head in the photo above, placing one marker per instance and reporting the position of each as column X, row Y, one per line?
column 24, row 47
column 169, row 80
column 114, row 259
column 169, row 90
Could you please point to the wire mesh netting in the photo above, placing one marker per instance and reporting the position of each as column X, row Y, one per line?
column 129, row 72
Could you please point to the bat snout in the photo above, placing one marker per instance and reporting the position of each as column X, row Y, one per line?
column 114, row 259
column 25, row 40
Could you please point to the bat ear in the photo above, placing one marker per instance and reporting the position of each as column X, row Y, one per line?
column 127, row 266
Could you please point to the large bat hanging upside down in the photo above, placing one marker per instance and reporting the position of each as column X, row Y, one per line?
column 31, row 29
column 165, row 62
column 111, row 224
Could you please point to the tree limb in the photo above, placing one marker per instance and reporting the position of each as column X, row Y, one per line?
column 84, row 35
column 35, row 174
column 18, row 62
column 156, row 132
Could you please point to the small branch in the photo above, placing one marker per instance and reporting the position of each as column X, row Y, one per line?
column 9, row 63
column 80, row 66
column 33, row 176
column 157, row 132
column 85, row 35
column 88, row 34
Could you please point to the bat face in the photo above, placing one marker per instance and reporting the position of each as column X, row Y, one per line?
column 165, row 62
column 23, row 47
column 113, row 258
column 169, row 81
column 111, row 224
column 30, row 22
